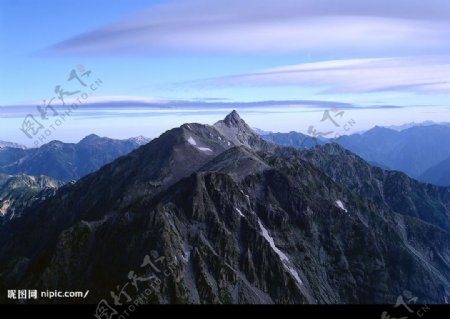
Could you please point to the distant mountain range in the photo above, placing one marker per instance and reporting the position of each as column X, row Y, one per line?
column 421, row 151
column 236, row 219
column 438, row 174
column 9, row 144
column 413, row 124
column 412, row 151
column 66, row 161
column 261, row 132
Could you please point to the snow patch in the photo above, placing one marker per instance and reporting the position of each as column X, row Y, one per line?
column 283, row 257
column 341, row 205
column 4, row 208
column 294, row 273
column 239, row 211
column 186, row 256
column 228, row 142
column 271, row 242
column 192, row 141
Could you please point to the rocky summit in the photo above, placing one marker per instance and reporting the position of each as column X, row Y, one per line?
column 237, row 220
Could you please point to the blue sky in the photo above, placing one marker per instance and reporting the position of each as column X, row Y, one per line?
column 166, row 62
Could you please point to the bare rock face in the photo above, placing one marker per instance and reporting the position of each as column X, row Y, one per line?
column 236, row 220
column 239, row 133
column 19, row 192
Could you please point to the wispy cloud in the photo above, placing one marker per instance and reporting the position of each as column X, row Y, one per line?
column 108, row 99
column 104, row 107
column 419, row 74
column 274, row 26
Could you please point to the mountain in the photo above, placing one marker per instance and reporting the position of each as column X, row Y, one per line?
column 235, row 219
column 438, row 174
column 66, row 161
column 260, row 132
column 140, row 140
column 21, row 191
column 413, row 124
column 293, row 139
column 10, row 145
column 412, row 151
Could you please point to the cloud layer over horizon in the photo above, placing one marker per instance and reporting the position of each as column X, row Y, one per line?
column 118, row 106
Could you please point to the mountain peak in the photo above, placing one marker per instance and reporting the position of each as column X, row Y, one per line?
column 379, row 129
column 139, row 140
column 232, row 119
column 239, row 133
column 90, row 138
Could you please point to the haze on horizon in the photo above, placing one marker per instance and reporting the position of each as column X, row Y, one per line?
column 281, row 64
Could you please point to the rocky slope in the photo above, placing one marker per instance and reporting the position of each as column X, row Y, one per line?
column 17, row 193
column 241, row 221
column 294, row 139
column 392, row 189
